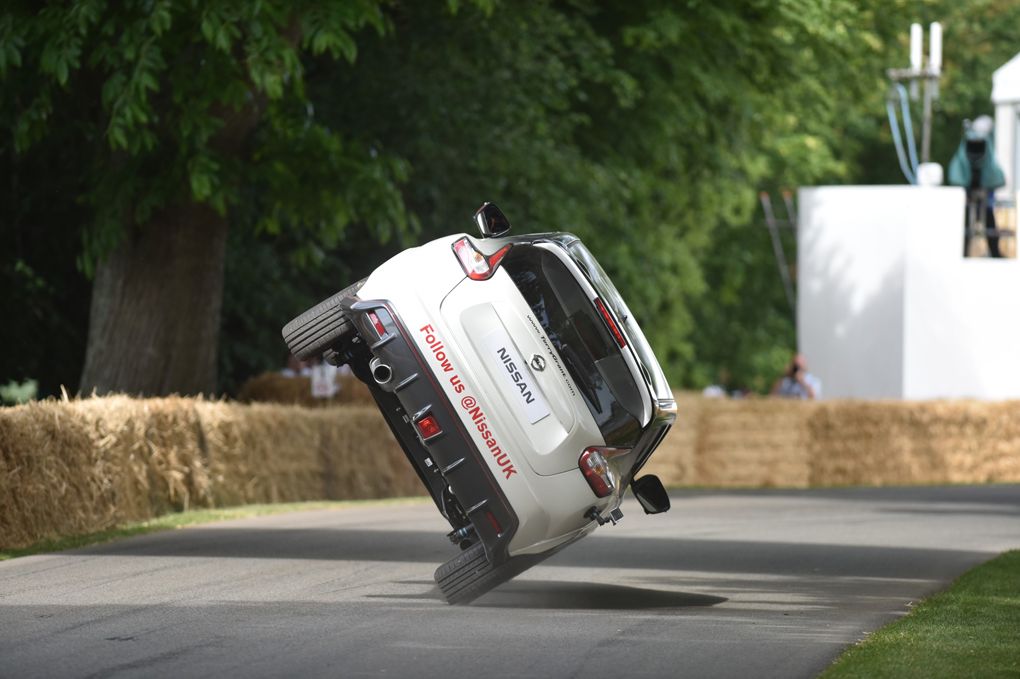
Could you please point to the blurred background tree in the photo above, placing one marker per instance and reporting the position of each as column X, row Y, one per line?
column 154, row 145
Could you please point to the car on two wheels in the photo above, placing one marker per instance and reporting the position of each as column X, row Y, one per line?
column 517, row 382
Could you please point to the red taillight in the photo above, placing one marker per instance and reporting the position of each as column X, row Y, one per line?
column 477, row 266
column 495, row 522
column 379, row 327
column 610, row 323
column 596, row 470
column 428, row 427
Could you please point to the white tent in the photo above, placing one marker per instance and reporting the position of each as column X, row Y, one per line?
column 1006, row 97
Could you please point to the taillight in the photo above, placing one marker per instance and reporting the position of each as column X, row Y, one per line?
column 595, row 467
column 610, row 323
column 477, row 266
column 494, row 522
column 379, row 327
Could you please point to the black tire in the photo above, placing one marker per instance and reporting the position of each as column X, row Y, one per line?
column 465, row 577
column 320, row 328
column 469, row 575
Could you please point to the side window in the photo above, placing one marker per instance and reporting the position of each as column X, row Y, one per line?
column 584, row 344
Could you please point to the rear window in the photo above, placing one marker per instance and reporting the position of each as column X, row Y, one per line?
column 582, row 340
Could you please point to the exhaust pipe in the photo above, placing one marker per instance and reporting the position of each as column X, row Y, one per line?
column 381, row 372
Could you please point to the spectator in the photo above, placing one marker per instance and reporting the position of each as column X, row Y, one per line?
column 798, row 382
column 718, row 390
column 714, row 391
column 975, row 168
column 324, row 384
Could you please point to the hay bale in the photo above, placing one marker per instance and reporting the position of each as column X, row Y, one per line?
column 735, row 443
column 68, row 468
column 892, row 443
column 753, row 443
column 157, row 443
column 270, row 453
column 52, row 478
column 789, row 443
column 72, row 467
column 674, row 460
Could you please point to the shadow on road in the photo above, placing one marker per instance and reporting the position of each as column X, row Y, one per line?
column 589, row 595
column 567, row 595
column 608, row 550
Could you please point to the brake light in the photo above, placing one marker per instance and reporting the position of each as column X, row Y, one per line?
column 596, row 470
column 610, row 323
column 428, row 427
column 477, row 266
column 495, row 522
column 379, row 327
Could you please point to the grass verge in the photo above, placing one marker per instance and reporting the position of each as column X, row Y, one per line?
column 972, row 629
column 190, row 518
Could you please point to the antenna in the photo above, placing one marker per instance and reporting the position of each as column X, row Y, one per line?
column 935, row 54
column 916, row 46
column 919, row 73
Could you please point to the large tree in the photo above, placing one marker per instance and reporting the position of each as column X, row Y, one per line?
column 183, row 113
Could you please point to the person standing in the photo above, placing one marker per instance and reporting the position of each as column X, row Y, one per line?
column 797, row 382
column 975, row 168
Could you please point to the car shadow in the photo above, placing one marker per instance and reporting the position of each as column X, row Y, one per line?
column 560, row 594
column 571, row 595
column 668, row 553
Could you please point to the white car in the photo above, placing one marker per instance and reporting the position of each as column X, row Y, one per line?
column 517, row 382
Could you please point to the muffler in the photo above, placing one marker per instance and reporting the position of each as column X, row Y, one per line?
column 381, row 372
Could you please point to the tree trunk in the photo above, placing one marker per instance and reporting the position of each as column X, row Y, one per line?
column 155, row 317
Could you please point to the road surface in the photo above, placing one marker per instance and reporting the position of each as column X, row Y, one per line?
column 727, row 584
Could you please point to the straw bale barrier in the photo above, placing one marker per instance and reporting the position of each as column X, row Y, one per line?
column 71, row 467
column 886, row 443
column 746, row 443
column 769, row 443
column 74, row 467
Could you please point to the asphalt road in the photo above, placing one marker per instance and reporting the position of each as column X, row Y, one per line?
column 727, row 584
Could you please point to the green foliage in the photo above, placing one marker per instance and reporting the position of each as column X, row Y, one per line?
column 331, row 135
column 44, row 304
column 14, row 393
column 168, row 95
column 272, row 278
column 117, row 111
column 646, row 129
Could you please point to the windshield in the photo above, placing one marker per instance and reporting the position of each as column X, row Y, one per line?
column 580, row 337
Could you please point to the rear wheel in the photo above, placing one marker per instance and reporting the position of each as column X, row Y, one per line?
column 321, row 328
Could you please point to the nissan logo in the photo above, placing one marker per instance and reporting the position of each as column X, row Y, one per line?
column 538, row 363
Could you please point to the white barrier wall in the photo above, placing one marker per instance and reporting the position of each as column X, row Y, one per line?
column 888, row 307
column 1006, row 97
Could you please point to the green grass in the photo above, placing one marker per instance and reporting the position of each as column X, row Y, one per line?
column 189, row 518
column 970, row 630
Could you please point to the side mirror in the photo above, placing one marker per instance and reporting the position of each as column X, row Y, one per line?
column 651, row 494
column 491, row 221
